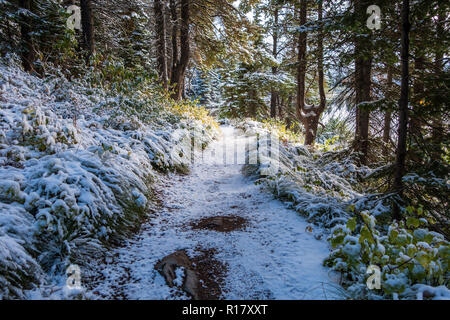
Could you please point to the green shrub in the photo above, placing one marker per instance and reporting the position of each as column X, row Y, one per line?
column 407, row 254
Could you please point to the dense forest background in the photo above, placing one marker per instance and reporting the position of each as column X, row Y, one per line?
column 318, row 71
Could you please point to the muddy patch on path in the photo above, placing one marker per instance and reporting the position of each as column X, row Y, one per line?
column 220, row 223
column 211, row 273
column 201, row 276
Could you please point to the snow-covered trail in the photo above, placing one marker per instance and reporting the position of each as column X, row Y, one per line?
column 274, row 257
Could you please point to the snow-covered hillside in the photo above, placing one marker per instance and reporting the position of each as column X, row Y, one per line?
column 329, row 189
column 71, row 183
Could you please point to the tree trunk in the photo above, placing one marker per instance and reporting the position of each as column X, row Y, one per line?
column 281, row 103
column 387, row 131
column 387, row 118
column 87, row 24
column 273, row 103
column 415, row 124
column 323, row 99
column 363, row 68
column 403, row 109
column 313, row 120
column 179, row 71
column 438, row 130
column 273, row 92
column 289, row 104
column 252, row 106
column 174, row 18
column 27, row 49
column 311, row 114
column 301, row 69
column 161, row 42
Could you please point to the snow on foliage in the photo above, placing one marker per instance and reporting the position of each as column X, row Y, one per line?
column 69, row 185
column 326, row 188
column 306, row 183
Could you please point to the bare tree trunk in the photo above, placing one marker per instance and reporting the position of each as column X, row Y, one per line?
column 301, row 70
column 289, row 104
column 323, row 99
column 161, row 42
column 281, row 103
column 364, row 115
column 174, row 18
column 311, row 120
column 387, row 131
column 363, row 68
column 179, row 71
column 168, row 40
column 273, row 102
column 387, row 118
column 28, row 50
column 274, row 93
column 403, row 109
column 415, row 123
column 438, row 126
column 252, row 107
column 87, row 23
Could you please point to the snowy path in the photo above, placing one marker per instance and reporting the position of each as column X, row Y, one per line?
column 274, row 257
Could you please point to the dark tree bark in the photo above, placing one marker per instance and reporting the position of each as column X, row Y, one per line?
column 387, row 131
column 323, row 99
column 281, row 103
column 363, row 68
column 252, row 106
column 438, row 126
column 87, row 23
column 289, row 104
column 179, row 71
column 415, row 123
column 387, row 118
column 161, row 42
column 312, row 121
column 174, row 19
column 301, row 69
column 403, row 109
column 27, row 50
column 273, row 92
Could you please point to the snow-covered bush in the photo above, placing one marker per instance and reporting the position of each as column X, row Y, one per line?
column 305, row 181
column 407, row 255
column 330, row 190
column 77, row 168
column 18, row 268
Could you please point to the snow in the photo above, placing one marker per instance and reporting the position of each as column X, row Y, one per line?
column 275, row 257
column 438, row 293
column 179, row 277
column 69, row 185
